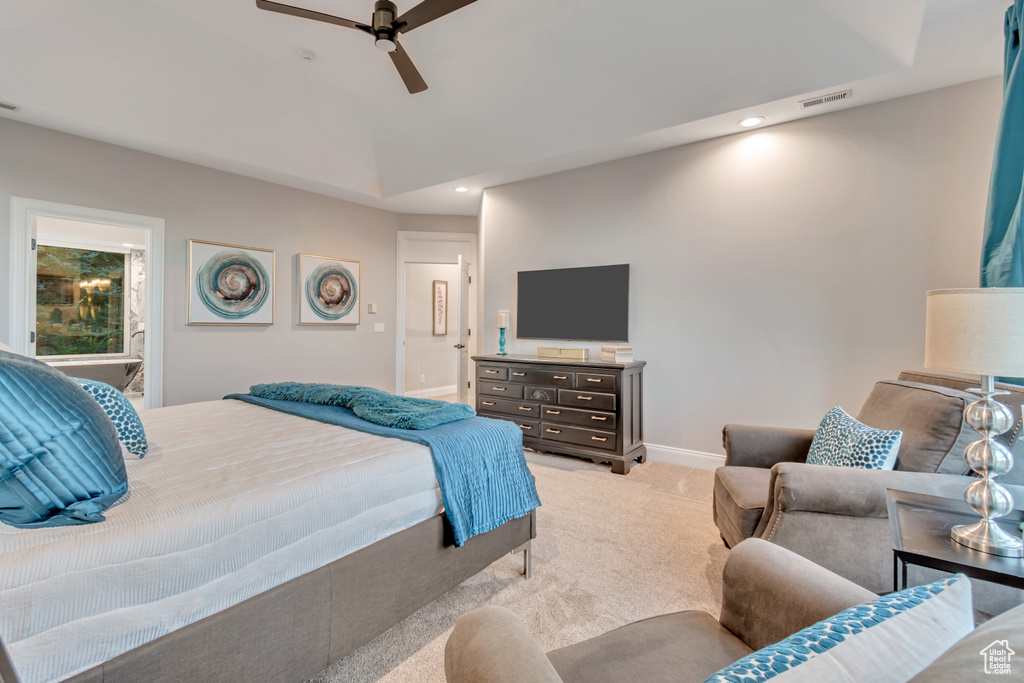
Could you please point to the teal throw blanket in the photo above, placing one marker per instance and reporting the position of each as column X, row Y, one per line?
column 373, row 405
column 479, row 462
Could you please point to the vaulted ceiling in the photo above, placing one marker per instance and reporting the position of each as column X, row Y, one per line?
column 517, row 88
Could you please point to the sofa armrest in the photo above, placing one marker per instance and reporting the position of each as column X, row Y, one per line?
column 491, row 645
column 855, row 492
column 751, row 446
column 769, row 593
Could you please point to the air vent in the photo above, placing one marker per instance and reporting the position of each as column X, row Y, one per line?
column 826, row 99
column 9, row 107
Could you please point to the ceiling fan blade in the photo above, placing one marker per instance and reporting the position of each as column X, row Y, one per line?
column 427, row 11
column 310, row 14
column 407, row 70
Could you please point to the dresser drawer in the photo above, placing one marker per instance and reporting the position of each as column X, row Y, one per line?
column 586, row 380
column 551, row 378
column 502, row 390
column 578, row 435
column 515, row 408
column 583, row 418
column 529, row 427
column 541, row 394
column 586, row 399
column 494, row 373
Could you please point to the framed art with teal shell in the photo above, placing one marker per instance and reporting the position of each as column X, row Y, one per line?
column 328, row 290
column 229, row 284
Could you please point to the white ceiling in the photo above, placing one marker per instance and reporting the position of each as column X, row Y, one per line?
column 517, row 88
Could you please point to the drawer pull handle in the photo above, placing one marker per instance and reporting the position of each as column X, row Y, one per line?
column 599, row 438
column 595, row 417
column 553, row 431
column 585, row 398
column 559, row 377
column 591, row 379
column 491, row 372
column 524, row 426
column 488, row 403
column 519, row 374
column 553, row 412
column 497, row 388
column 525, row 408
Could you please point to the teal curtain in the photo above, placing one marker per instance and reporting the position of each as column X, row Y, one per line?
column 1002, row 253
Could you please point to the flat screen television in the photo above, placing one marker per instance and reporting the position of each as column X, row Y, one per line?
column 574, row 304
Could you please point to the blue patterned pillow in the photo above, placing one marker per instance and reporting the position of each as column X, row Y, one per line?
column 892, row 638
column 60, row 461
column 842, row 441
column 121, row 412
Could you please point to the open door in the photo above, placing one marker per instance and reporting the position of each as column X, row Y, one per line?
column 462, row 374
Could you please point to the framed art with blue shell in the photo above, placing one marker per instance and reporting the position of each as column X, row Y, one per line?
column 229, row 284
column 328, row 290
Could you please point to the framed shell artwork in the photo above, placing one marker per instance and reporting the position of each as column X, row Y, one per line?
column 229, row 284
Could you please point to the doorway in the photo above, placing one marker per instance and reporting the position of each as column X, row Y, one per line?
column 436, row 306
column 87, row 294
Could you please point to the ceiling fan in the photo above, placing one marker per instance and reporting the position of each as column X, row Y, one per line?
column 385, row 26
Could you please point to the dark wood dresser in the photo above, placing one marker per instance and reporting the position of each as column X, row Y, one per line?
column 588, row 409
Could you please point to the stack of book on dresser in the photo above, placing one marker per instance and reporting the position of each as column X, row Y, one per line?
column 617, row 354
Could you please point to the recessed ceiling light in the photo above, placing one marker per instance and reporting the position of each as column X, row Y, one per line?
column 752, row 121
column 127, row 244
column 460, row 188
column 306, row 55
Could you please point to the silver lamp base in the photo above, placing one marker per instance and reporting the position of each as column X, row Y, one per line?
column 988, row 459
column 987, row 537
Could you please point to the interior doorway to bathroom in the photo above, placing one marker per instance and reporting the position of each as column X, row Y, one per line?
column 436, row 305
column 89, row 286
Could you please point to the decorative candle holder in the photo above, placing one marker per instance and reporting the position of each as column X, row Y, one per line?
column 501, row 342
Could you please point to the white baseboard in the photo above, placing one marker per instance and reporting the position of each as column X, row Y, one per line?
column 431, row 393
column 681, row 456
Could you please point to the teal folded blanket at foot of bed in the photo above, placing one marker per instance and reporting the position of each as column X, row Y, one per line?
column 373, row 405
column 478, row 461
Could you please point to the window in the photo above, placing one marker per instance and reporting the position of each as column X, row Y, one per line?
column 81, row 309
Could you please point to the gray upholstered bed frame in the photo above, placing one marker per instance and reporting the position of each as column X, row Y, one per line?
column 293, row 631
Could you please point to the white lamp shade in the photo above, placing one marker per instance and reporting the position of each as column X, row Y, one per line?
column 975, row 331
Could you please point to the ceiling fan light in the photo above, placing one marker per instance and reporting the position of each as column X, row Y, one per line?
column 385, row 43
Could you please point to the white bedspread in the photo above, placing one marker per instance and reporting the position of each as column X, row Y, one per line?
column 232, row 500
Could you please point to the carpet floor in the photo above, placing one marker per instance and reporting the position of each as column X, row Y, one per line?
column 609, row 550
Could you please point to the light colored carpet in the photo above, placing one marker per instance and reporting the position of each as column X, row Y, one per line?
column 609, row 550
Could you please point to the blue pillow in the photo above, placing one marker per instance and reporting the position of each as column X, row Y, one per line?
column 60, row 461
column 121, row 412
column 892, row 638
column 842, row 441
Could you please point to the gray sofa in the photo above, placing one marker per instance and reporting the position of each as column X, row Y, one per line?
column 837, row 517
column 768, row 593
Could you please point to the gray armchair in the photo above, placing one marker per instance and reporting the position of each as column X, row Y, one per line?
column 768, row 593
column 837, row 517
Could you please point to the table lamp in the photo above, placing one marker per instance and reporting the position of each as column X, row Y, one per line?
column 981, row 332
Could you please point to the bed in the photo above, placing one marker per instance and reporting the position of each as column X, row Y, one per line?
column 253, row 545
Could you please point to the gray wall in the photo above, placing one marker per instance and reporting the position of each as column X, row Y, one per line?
column 774, row 273
column 196, row 202
column 418, row 222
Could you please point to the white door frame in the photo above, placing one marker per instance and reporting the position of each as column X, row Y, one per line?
column 431, row 247
column 22, row 282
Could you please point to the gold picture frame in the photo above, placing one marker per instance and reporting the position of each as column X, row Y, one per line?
column 439, row 307
column 329, row 290
column 230, row 284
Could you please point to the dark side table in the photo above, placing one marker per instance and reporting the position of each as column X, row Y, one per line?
column 920, row 526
